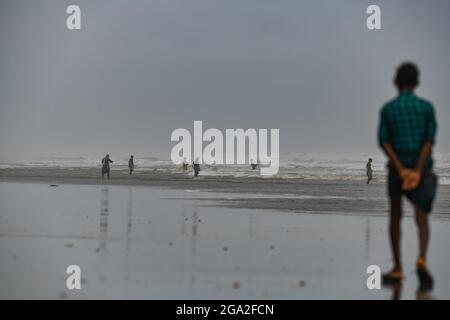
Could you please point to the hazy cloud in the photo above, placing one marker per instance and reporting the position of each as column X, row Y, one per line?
column 139, row 69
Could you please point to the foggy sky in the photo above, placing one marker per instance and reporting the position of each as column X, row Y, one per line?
column 139, row 69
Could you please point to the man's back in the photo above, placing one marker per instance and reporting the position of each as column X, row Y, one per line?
column 406, row 123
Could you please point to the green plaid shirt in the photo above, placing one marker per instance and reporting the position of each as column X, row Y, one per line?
column 406, row 123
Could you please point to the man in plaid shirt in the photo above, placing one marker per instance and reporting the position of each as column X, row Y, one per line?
column 406, row 133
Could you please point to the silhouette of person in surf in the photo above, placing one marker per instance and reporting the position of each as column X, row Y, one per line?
column 105, row 166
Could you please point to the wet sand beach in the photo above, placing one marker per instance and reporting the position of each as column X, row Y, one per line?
column 176, row 237
column 296, row 194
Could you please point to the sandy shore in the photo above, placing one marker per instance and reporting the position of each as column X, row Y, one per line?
column 142, row 241
column 299, row 195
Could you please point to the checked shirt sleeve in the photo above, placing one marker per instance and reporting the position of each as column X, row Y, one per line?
column 383, row 129
column 431, row 125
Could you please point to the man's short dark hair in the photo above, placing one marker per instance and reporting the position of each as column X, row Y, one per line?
column 407, row 76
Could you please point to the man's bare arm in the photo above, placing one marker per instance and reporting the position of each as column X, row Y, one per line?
column 425, row 152
column 393, row 157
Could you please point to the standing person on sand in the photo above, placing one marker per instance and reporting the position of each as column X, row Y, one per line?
column 105, row 165
column 131, row 164
column 253, row 165
column 196, row 165
column 369, row 170
column 406, row 134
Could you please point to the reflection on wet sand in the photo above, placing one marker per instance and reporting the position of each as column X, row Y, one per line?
column 104, row 207
column 184, row 235
column 185, row 248
column 129, row 218
column 193, row 248
column 422, row 294
column 367, row 240
column 249, row 252
column 128, row 236
column 397, row 289
column 194, row 229
column 189, row 245
column 189, row 234
column 103, row 232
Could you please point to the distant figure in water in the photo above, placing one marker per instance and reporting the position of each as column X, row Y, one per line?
column 105, row 165
column 131, row 164
column 369, row 170
column 184, row 165
column 254, row 165
column 406, row 134
column 196, row 165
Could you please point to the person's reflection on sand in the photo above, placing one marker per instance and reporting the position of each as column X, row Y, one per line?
column 194, row 233
column 367, row 240
column 103, row 231
column 104, row 204
column 129, row 218
column 423, row 292
column 396, row 291
column 250, row 250
column 128, row 236
column 194, row 228
column 184, row 236
column 422, row 295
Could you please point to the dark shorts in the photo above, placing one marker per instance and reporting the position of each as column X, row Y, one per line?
column 423, row 196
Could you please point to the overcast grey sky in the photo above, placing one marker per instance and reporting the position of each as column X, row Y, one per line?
column 139, row 69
